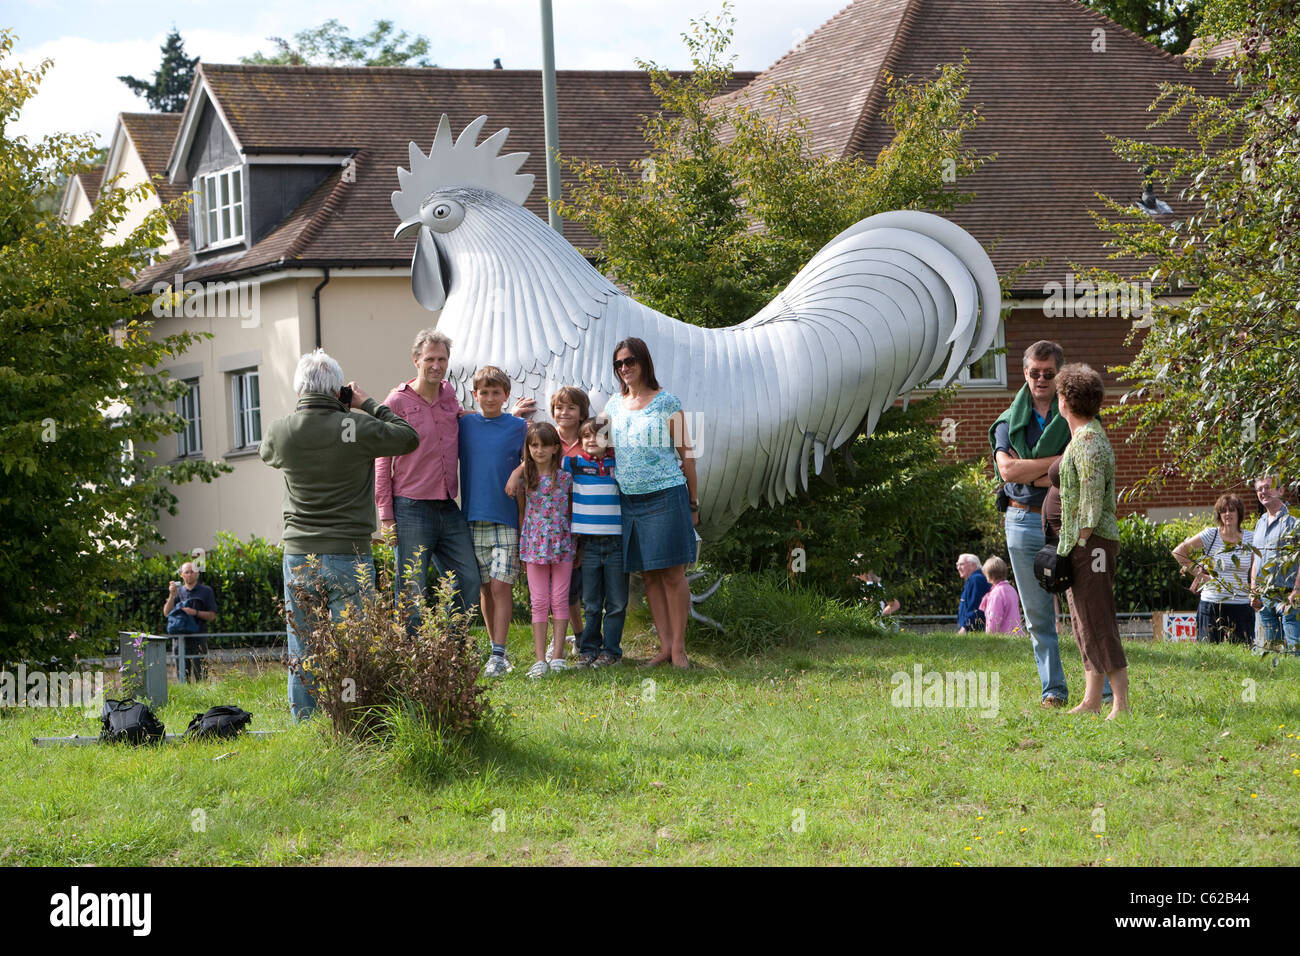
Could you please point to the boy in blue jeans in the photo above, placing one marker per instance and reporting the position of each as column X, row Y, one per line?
column 491, row 444
column 598, row 530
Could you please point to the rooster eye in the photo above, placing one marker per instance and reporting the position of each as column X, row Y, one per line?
column 443, row 215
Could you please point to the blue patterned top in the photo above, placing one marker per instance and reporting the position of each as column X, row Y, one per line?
column 643, row 445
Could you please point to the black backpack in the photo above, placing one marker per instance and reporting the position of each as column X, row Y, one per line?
column 223, row 721
column 130, row 721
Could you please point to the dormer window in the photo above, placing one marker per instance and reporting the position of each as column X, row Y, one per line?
column 219, row 208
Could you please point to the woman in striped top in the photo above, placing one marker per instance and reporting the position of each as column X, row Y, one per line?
column 1222, row 576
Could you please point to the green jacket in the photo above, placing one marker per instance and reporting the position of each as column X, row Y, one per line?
column 328, row 457
column 1052, row 441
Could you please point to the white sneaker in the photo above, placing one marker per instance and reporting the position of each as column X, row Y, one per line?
column 539, row 669
column 559, row 665
column 497, row 666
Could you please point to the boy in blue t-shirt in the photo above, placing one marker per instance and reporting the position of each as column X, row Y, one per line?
column 598, row 529
column 491, row 445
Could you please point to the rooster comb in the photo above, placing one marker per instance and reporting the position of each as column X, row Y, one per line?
column 461, row 163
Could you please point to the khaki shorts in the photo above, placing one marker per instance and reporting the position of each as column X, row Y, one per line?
column 496, row 548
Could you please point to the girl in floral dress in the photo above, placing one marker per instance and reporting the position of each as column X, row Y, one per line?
column 545, row 542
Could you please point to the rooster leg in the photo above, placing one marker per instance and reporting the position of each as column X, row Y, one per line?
column 701, row 598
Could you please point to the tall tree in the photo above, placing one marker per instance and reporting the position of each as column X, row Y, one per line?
column 1166, row 23
column 78, row 397
column 679, row 229
column 330, row 44
column 1218, row 371
column 169, row 90
column 727, row 208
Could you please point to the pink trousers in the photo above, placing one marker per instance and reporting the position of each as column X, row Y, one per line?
column 548, row 590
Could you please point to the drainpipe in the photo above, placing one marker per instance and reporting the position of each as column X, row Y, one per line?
column 315, row 297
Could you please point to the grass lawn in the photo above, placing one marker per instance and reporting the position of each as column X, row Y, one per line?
column 795, row 757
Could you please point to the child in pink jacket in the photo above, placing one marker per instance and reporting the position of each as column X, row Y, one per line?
column 1001, row 606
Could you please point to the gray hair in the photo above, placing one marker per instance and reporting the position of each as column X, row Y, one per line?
column 430, row 337
column 317, row 372
column 968, row 559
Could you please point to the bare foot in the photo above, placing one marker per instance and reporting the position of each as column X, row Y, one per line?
column 663, row 657
column 1085, row 709
column 684, row 664
column 1115, row 712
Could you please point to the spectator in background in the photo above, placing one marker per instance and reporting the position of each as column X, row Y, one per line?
column 197, row 601
column 969, row 615
column 1090, row 539
column 1222, row 578
column 1274, row 583
column 1001, row 606
column 327, row 451
column 1026, row 439
column 872, row 588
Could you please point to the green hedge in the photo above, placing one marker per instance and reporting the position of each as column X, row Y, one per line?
column 1147, row 577
column 246, row 578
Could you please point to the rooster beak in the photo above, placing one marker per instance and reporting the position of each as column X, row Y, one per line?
column 406, row 228
column 426, row 273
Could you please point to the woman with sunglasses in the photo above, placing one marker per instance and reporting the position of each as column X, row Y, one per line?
column 655, row 472
column 1224, row 612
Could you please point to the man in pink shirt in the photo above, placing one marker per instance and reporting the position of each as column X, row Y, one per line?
column 1001, row 606
column 416, row 493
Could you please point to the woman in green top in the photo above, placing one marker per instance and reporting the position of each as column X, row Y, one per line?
column 1090, row 537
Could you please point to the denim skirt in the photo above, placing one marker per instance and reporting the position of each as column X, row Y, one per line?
column 657, row 529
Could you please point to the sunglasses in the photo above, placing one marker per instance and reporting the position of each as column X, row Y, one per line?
column 1035, row 374
column 629, row 362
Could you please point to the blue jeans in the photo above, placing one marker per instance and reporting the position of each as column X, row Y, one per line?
column 1278, row 627
column 437, row 530
column 604, row 593
column 340, row 586
column 1024, row 540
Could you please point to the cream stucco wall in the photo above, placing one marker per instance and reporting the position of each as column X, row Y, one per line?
column 79, row 207
column 132, row 173
column 368, row 324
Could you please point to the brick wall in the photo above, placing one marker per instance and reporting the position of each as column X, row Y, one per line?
column 968, row 417
column 1099, row 342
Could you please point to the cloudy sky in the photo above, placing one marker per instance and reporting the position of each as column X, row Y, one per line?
column 92, row 42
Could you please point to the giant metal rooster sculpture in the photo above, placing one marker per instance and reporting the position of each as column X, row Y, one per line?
column 874, row 315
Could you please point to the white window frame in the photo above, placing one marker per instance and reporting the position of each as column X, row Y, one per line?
column 999, row 379
column 216, row 212
column 185, row 405
column 246, row 408
column 966, row 380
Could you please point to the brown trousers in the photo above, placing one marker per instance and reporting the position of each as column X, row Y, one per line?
column 1092, row 606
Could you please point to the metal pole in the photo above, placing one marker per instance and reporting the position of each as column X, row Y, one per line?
column 550, row 116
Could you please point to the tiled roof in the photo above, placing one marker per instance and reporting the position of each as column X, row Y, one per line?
column 1048, row 102
column 89, row 182
column 376, row 112
column 153, row 134
column 1211, row 48
column 835, row 71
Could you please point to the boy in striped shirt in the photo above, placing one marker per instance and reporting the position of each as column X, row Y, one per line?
column 598, row 530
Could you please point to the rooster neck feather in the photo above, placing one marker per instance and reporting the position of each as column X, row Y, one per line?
column 519, row 296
